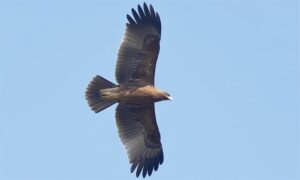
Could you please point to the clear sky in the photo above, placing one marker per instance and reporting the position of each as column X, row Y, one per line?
column 232, row 67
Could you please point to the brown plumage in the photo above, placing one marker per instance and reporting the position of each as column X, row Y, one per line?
column 135, row 92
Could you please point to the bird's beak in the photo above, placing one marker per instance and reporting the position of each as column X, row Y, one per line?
column 169, row 98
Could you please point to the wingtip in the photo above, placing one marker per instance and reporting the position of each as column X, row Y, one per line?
column 152, row 12
column 139, row 7
column 145, row 5
column 130, row 20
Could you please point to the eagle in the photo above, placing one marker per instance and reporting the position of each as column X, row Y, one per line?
column 135, row 92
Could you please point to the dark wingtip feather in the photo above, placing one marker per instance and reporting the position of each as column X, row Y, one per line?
column 141, row 12
column 139, row 169
column 150, row 170
column 152, row 12
column 146, row 10
column 156, row 163
column 133, row 166
column 158, row 22
column 161, row 158
column 145, row 15
column 130, row 20
column 136, row 16
column 145, row 169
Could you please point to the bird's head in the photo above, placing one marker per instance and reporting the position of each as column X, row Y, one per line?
column 167, row 96
column 160, row 95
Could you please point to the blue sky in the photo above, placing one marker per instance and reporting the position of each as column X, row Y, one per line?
column 232, row 67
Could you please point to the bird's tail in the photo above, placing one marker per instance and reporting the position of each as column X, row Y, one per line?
column 93, row 94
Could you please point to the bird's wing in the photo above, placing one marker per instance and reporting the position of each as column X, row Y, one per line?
column 139, row 133
column 140, row 47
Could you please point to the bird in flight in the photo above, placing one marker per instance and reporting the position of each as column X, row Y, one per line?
column 135, row 92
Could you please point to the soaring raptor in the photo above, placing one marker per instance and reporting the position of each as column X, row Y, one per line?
column 135, row 92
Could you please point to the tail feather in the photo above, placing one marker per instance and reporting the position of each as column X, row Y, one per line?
column 93, row 94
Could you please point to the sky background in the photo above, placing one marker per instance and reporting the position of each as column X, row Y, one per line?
column 232, row 67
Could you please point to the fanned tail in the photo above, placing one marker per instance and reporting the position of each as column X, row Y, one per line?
column 93, row 94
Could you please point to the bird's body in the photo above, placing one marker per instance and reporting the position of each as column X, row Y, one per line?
column 135, row 92
column 134, row 95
